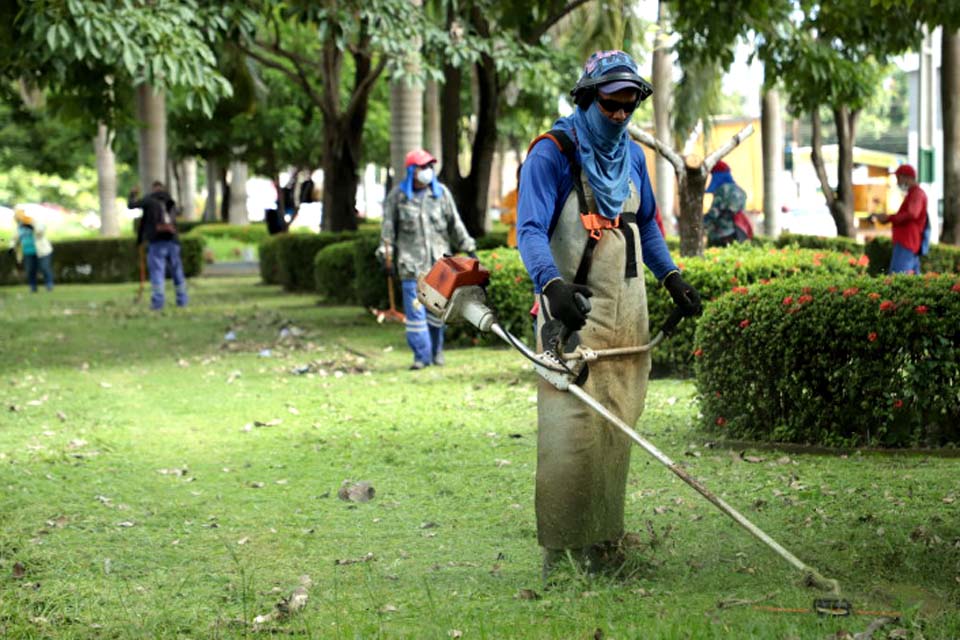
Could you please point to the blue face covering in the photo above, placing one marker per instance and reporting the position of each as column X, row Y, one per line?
column 604, row 156
column 407, row 185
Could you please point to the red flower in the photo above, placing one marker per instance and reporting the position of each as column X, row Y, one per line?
column 852, row 291
column 897, row 403
column 721, row 421
column 697, row 353
column 494, row 255
column 788, row 300
column 852, row 261
column 874, row 295
column 716, row 394
column 887, row 305
column 518, row 279
column 863, row 261
column 888, row 280
column 767, row 281
column 955, row 288
column 736, row 265
column 832, row 289
column 741, row 290
column 806, row 290
column 734, row 280
column 921, row 309
column 872, row 336
column 680, row 266
column 745, row 323
column 497, row 267
column 804, row 299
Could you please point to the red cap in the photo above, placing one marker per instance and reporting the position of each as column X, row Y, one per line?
column 418, row 158
column 720, row 167
column 906, row 171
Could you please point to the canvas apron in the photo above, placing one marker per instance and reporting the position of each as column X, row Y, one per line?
column 582, row 460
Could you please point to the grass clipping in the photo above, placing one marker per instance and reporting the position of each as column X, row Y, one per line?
column 287, row 606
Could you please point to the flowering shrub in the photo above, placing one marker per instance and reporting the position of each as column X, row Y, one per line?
column 721, row 270
column 834, row 360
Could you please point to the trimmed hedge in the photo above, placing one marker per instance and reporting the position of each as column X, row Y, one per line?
column 721, row 270
column 102, row 260
column 333, row 272
column 295, row 253
column 268, row 252
column 942, row 258
column 247, row 233
column 834, row 361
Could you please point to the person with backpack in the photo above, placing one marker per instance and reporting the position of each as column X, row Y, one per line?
column 586, row 227
column 911, row 224
column 420, row 225
column 725, row 222
column 158, row 228
column 33, row 249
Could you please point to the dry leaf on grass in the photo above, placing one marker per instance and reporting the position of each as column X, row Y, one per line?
column 19, row 571
column 367, row 558
column 269, row 423
column 286, row 606
column 350, row 491
column 527, row 594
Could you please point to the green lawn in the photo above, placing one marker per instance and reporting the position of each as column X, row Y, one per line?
column 141, row 498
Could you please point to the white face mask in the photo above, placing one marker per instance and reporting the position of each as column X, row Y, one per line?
column 425, row 175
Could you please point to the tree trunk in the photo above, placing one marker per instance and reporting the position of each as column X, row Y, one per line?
column 213, row 187
column 238, row 193
column 339, row 185
column 771, row 127
column 834, row 202
column 950, row 108
column 846, row 124
column 406, row 123
column 692, row 181
column 662, row 98
column 431, row 112
column 450, row 129
column 106, row 181
column 472, row 198
column 152, row 151
column 187, row 187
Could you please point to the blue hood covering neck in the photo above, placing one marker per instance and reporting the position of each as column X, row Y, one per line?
column 604, row 156
column 407, row 185
column 719, row 179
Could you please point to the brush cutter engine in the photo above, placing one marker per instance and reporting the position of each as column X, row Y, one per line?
column 453, row 290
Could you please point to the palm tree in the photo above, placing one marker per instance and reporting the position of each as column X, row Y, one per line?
column 106, row 181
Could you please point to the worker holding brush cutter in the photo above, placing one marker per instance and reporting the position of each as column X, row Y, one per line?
column 420, row 226
column 586, row 221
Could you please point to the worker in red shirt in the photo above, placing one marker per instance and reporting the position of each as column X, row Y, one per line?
column 911, row 226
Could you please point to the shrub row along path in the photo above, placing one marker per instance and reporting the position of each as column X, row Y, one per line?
column 182, row 475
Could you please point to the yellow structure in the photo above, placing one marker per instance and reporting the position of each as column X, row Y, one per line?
column 746, row 161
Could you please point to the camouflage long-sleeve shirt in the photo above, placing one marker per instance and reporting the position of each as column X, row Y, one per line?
column 421, row 230
column 718, row 221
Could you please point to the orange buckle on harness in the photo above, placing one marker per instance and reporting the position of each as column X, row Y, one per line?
column 596, row 223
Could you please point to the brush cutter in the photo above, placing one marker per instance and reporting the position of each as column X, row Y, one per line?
column 454, row 291
column 392, row 313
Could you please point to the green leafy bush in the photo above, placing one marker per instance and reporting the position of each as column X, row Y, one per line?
column 295, row 254
column 492, row 240
column 102, row 260
column 269, row 255
column 942, row 258
column 370, row 281
column 334, row 272
column 834, row 361
column 247, row 233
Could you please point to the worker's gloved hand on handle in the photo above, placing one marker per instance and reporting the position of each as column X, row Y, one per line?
column 684, row 296
column 568, row 303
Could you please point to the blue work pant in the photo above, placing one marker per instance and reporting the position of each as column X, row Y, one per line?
column 44, row 265
column 163, row 255
column 904, row 260
column 424, row 330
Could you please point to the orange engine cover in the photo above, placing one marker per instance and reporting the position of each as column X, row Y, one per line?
column 451, row 273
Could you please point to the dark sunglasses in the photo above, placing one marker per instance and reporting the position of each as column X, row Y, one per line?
column 612, row 106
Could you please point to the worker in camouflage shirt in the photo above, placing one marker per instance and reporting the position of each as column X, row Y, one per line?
column 726, row 222
column 420, row 226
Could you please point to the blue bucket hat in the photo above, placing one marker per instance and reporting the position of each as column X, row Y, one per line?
column 611, row 71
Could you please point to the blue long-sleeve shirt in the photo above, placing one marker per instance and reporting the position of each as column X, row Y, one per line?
column 545, row 185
